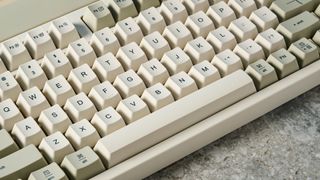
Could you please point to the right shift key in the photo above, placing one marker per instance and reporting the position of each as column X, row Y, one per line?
column 304, row 24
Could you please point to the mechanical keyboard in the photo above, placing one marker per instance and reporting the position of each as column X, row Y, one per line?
column 119, row 89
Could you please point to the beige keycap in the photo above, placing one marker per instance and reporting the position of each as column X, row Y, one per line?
column 51, row 171
column 107, row 67
column 221, row 39
column 262, row 74
column 177, row 34
column 54, row 119
column 145, row 4
column 122, row 9
column 129, row 83
column 9, row 87
column 242, row 7
column 62, row 32
column 14, row 53
column 80, row 52
column 199, row 24
column 317, row 11
column 249, row 51
column 132, row 109
column 82, row 164
column 29, row 159
column 199, row 50
column 302, row 25
column 154, row 45
column 204, row 73
column 180, row 85
column 283, row 62
column 9, row 114
column 305, row 51
column 2, row 66
column 176, row 60
column 55, row 63
column 107, row 121
column 194, row 6
column 261, row 3
column 79, row 107
column 55, row 147
column 131, row 56
column 264, row 19
column 31, row 102
column 153, row 72
column 243, row 29
column 98, row 16
column 58, row 90
column 7, row 144
column 221, row 14
column 27, row 132
column 316, row 38
column 157, row 96
column 128, row 31
column 173, row 11
column 150, row 21
column 227, row 62
column 82, row 134
column 82, row 79
column 38, row 42
column 104, row 95
column 270, row 40
column 104, row 41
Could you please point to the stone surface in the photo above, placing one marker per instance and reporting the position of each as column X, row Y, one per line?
column 282, row 144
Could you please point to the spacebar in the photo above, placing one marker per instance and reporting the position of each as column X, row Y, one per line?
column 175, row 117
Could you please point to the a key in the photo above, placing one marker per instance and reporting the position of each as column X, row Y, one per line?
column 79, row 107
column 221, row 14
column 51, row 171
column 9, row 114
column 249, row 51
column 80, row 52
column 104, row 95
column 98, row 16
column 27, row 132
column 177, row 34
column 199, row 50
column 82, row 79
column 107, row 121
column 9, row 87
column 30, row 74
column 2, row 66
column 128, row 31
column 150, row 20
column 122, row 9
column 55, row 147
column 199, row 24
column 305, row 51
column 107, row 67
column 176, row 60
column 82, row 134
column 316, row 37
column 173, row 11
column 63, row 32
column 58, row 90
column 261, row 3
column 264, row 19
column 242, row 7
column 54, row 119
column 243, row 29
column 14, row 53
column 131, row 56
column 31, row 102
column 55, row 63
column 204, row 73
column 283, row 62
column 227, row 62
column 180, row 85
column 129, row 83
column 270, row 40
column 132, row 109
column 194, row 6
column 82, row 164
column 20, row 164
column 153, row 72
column 262, row 73
column 104, row 41
column 317, row 11
column 221, row 39
column 38, row 42
column 145, row 4
column 154, row 45
column 7, row 144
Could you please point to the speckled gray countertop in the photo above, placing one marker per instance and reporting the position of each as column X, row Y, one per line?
column 283, row 144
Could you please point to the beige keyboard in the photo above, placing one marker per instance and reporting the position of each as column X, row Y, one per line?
column 118, row 89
